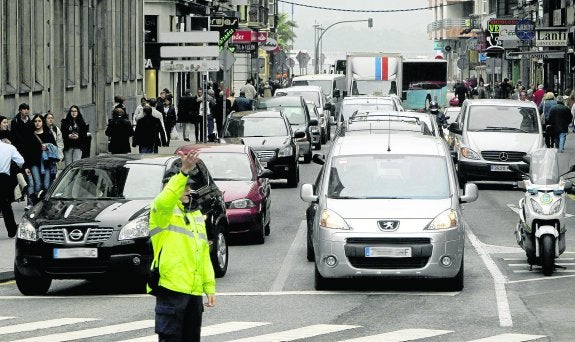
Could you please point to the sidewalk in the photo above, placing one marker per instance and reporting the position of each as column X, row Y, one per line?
column 7, row 245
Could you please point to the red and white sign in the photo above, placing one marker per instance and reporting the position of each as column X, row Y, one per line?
column 262, row 37
column 244, row 36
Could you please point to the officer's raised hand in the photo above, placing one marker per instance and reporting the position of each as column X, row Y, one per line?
column 189, row 161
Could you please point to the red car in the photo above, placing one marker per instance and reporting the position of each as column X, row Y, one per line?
column 244, row 182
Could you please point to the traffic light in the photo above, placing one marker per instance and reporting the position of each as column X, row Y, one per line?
column 370, row 22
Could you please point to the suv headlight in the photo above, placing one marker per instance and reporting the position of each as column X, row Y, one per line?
column 331, row 220
column 27, row 231
column 137, row 228
column 468, row 153
column 285, row 151
column 445, row 220
column 242, row 203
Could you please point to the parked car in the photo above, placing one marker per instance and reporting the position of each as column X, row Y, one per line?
column 270, row 135
column 315, row 94
column 333, row 86
column 316, row 129
column 490, row 135
column 244, row 182
column 387, row 212
column 298, row 115
column 93, row 222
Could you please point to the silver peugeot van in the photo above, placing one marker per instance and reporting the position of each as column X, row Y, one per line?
column 490, row 135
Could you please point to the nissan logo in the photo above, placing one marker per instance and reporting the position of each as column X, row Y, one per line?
column 388, row 225
column 76, row 235
column 503, row 156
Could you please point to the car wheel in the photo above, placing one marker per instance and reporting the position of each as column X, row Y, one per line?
column 293, row 178
column 310, row 252
column 307, row 156
column 219, row 254
column 317, row 146
column 456, row 283
column 328, row 135
column 259, row 234
column 31, row 286
column 320, row 283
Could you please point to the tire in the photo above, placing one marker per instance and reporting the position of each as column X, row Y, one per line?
column 317, row 146
column 31, row 286
column 322, row 137
column 260, row 234
column 310, row 254
column 547, row 245
column 307, row 156
column 457, row 283
column 293, row 178
column 320, row 283
column 328, row 135
column 220, row 254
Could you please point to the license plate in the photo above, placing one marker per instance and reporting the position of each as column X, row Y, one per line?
column 388, row 252
column 499, row 167
column 264, row 164
column 71, row 253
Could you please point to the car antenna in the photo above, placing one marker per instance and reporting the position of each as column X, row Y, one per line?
column 388, row 134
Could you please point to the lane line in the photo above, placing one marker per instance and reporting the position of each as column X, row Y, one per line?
column 557, row 263
column 299, row 333
column 510, row 338
column 539, row 279
column 290, row 259
column 401, row 335
column 538, row 269
column 31, row 326
column 499, row 280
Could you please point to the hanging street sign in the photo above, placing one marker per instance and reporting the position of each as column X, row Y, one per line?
column 244, row 48
column 269, row 45
column 525, row 29
column 223, row 24
column 190, row 66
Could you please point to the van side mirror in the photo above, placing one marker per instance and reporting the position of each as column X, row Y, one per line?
column 336, row 93
column 471, row 193
column 454, row 128
column 568, row 185
column 318, row 159
column 327, row 106
column 313, row 122
column 266, row 173
column 344, row 93
column 299, row 135
column 306, row 193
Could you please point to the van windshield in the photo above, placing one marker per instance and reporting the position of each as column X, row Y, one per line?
column 502, row 119
column 326, row 85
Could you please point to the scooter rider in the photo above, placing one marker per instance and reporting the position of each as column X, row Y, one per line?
column 439, row 116
column 181, row 256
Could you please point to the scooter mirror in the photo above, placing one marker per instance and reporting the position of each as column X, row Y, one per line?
column 568, row 185
column 521, row 185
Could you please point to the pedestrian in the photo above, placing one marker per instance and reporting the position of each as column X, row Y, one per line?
column 56, row 132
column 220, row 115
column 74, row 131
column 158, row 115
column 119, row 131
column 538, row 95
column 119, row 103
column 523, row 96
column 185, row 113
column 9, row 156
column 21, row 128
column 571, row 104
column 481, row 91
column 5, row 134
column 139, row 112
column 546, row 104
column 38, row 164
column 148, row 129
column 170, row 118
column 241, row 103
column 210, row 118
column 461, row 92
column 506, row 88
column 560, row 118
column 249, row 91
column 182, row 257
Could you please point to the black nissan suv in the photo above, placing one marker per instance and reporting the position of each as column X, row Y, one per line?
column 270, row 135
column 94, row 221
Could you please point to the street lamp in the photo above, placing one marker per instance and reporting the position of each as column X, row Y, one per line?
column 316, row 51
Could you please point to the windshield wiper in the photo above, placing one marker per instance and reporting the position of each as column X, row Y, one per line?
column 347, row 197
column 492, row 128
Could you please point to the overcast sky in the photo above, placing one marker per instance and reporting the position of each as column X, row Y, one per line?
column 404, row 32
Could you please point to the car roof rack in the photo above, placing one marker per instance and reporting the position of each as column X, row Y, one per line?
column 376, row 123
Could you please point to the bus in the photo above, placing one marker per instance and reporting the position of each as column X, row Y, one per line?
column 424, row 80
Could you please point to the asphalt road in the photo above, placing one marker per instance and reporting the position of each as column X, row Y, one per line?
column 268, row 295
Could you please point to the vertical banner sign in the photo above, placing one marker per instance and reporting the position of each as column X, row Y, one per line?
column 381, row 68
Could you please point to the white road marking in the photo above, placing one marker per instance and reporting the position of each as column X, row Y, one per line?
column 6, row 317
column 557, row 263
column 401, row 335
column 216, row 329
column 537, row 270
column 299, row 333
column 87, row 333
column 290, row 259
column 31, row 326
column 540, row 279
column 510, row 338
column 499, row 280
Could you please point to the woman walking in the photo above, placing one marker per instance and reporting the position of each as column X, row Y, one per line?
column 74, row 131
column 4, row 131
column 119, row 131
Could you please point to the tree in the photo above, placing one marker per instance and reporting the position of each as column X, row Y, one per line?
column 284, row 31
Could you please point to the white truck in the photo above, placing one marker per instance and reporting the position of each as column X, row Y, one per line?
column 374, row 73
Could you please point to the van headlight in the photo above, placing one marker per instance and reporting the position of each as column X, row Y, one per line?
column 134, row 229
column 331, row 220
column 285, row 151
column 445, row 220
column 27, row 231
column 468, row 153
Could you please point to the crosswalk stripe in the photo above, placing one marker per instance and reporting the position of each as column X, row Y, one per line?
column 86, row 333
column 510, row 338
column 42, row 325
column 300, row 333
column 209, row 330
column 6, row 317
column 401, row 335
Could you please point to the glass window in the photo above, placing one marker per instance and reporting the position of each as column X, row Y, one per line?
column 348, row 109
column 256, row 127
column 502, row 119
column 228, row 166
column 384, row 176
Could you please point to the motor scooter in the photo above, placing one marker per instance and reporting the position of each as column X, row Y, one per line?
column 541, row 228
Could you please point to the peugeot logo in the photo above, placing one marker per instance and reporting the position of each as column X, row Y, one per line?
column 388, row 225
column 76, row 235
column 503, row 156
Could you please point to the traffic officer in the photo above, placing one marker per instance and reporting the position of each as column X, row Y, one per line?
column 181, row 255
column 8, row 154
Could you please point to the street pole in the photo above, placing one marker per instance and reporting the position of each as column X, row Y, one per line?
column 316, row 70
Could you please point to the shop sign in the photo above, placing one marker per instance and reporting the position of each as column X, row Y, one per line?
column 551, row 36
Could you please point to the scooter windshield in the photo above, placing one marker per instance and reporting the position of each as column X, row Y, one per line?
column 547, row 165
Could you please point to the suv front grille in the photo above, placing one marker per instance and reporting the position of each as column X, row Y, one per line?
column 265, row 154
column 503, row 156
column 57, row 234
column 388, row 263
column 395, row 241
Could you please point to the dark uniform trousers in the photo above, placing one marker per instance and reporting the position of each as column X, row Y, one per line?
column 6, row 195
column 178, row 316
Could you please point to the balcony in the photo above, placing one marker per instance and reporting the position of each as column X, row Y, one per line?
column 449, row 28
column 255, row 15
